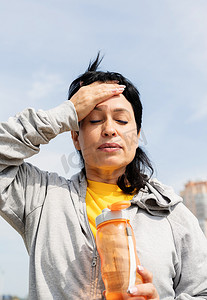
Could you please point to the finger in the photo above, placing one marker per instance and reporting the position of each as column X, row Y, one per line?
column 146, row 275
column 145, row 290
column 136, row 298
column 106, row 92
column 99, row 86
column 87, row 97
column 102, row 91
column 128, row 298
column 104, row 82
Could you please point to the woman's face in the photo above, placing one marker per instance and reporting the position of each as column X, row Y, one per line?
column 108, row 135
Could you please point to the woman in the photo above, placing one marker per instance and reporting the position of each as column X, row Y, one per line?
column 55, row 216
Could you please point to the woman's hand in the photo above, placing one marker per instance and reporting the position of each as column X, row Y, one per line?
column 146, row 290
column 87, row 97
column 142, row 291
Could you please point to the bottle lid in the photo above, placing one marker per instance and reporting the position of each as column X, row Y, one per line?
column 113, row 212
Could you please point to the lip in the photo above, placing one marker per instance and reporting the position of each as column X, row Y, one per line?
column 109, row 147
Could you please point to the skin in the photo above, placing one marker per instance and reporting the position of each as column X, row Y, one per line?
column 146, row 290
column 108, row 140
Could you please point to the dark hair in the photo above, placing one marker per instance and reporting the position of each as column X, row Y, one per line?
column 135, row 175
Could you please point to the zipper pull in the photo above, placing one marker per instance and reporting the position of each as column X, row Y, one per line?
column 94, row 261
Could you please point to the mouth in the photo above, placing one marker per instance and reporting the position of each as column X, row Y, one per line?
column 109, row 147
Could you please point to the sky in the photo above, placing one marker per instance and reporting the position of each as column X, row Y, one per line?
column 161, row 46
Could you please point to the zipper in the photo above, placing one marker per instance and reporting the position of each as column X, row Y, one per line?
column 89, row 228
column 94, row 259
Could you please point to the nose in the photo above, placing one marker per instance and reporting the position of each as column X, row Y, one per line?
column 108, row 129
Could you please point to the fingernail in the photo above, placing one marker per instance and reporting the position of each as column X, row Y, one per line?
column 133, row 290
column 121, row 89
column 140, row 268
column 122, row 86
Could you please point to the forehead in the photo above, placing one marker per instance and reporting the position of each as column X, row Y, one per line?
column 117, row 103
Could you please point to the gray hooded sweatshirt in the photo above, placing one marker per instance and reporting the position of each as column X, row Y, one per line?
column 49, row 212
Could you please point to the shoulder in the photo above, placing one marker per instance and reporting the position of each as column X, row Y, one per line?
column 181, row 219
column 182, row 216
column 35, row 176
column 157, row 199
column 186, row 230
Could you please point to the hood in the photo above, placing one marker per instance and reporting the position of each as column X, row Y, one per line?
column 158, row 199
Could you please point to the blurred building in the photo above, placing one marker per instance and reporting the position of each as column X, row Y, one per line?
column 8, row 297
column 195, row 198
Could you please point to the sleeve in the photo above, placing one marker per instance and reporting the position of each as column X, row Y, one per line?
column 191, row 244
column 22, row 135
column 21, row 138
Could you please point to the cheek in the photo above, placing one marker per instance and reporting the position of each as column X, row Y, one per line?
column 86, row 143
column 131, row 138
column 89, row 136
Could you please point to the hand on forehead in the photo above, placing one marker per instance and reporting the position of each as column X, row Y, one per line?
column 87, row 97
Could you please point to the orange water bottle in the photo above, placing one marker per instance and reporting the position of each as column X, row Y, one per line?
column 117, row 249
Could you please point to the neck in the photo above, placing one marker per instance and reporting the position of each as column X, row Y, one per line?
column 105, row 176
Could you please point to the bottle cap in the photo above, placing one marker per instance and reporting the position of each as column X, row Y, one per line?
column 113, row 212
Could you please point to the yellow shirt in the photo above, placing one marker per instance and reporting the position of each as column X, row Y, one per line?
column 98, row 196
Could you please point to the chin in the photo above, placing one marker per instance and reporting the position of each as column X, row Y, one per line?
column 111, row 165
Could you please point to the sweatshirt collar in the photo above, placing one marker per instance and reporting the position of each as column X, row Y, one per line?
column 156, row 198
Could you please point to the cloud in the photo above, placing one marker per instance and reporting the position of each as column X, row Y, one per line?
column 161, row 45
column 44, row 85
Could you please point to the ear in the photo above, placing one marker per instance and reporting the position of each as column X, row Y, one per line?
column 75, row 137
column 138, row 136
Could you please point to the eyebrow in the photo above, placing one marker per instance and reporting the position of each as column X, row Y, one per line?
column 115, row 110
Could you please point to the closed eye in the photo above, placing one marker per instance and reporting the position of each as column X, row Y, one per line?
column 122, row 122
column 98, row 121
column 95, row 121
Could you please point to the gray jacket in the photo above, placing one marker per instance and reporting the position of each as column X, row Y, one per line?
column 49, row 212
